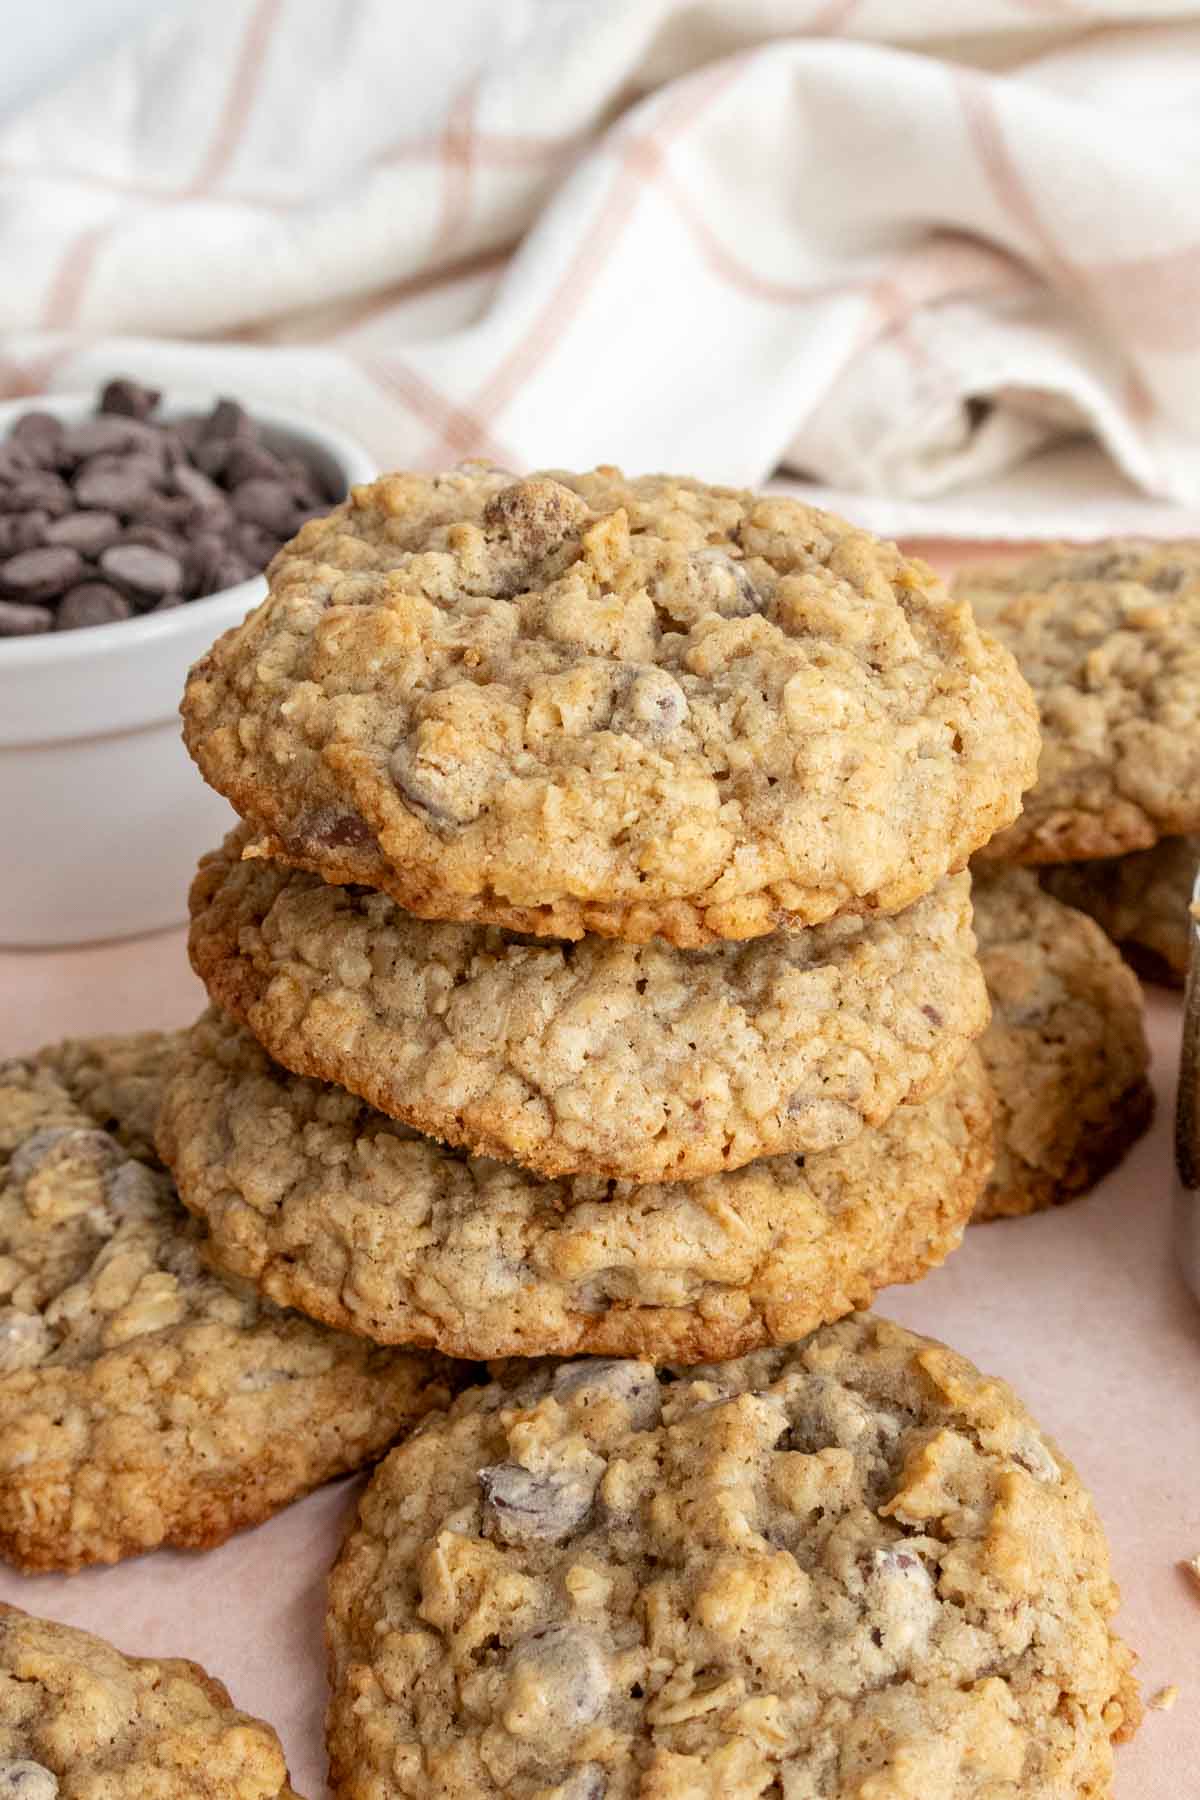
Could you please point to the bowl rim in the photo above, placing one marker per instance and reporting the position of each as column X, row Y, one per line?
column 355, row 463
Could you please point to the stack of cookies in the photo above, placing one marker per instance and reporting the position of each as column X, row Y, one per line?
column 593, row 971
column 1108, row 637
column 590, row 969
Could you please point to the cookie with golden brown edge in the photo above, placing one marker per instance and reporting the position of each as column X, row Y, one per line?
column 79, row 1719
column 640, row 1062
column 586, row 703
column 1066, row 1050
column 334, row 1208
column 851, row 1567
column 1141, row 900
column 1108, row 637
column 144, row 1400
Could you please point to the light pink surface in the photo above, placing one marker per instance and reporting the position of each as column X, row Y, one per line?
column 1082, row 1310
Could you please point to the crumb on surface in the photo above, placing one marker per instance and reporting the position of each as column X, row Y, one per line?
column 1164, row 1699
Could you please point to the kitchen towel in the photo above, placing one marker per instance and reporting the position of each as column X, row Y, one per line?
column 950, row 281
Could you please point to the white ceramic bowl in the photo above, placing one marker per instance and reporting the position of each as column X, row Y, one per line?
column 102, row 812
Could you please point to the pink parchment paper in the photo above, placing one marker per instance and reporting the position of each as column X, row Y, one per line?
column 1082, row 1310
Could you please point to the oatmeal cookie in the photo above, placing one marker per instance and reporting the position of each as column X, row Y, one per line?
column 1108, row 637
column 1141, row 900
column 640, row 1062
column 79, row 1720
column 1066, row 1050
column 144, row 1400
column 851, row 1567
column 581, row 703
column 336, row 1209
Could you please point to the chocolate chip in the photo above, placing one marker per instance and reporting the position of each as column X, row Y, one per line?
column 155, row 538
column 256, row 544
column 37, row 491
column 229, row 420
column 724, row 584
column 129, row 398
column 535, row 515
column 87, row 532
column 22, row 531
column 212, row 566
column 425, row 787
column 211, row 455
column 188, row 432
column 523, row 1508
column 93, row 603
column 145, row 570
column 265, row 503
column 41, row 574
column 40, row 435
column 109, row 434
column 567, row 1666
column 308, row 485
column 633, row 1384
column 250, row 462
column 173, row 512
column 14, row 462
column 196, row 486
column 19, row 620
column 114, row 489
column 331, row 829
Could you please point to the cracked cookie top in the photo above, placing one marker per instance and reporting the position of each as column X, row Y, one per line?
column 577, row 703
column 854, row 1566
column 143, row 1399
column 1108, row 637
column 642, row 1062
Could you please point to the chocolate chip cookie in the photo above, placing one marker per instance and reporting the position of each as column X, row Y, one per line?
column 640, row 1062
column 852, row 1567
column 1108, row 636
column 79, row 1719
column 1142, row 902
column 143, row 1400
column 581, row 703
column 334, row 1208
column 1066, row 1050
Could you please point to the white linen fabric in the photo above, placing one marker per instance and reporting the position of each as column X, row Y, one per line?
column 729, row 237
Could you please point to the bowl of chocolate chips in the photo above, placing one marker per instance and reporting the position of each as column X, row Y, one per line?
column 134, row 528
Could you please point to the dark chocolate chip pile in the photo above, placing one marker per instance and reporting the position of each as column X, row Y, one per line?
column 122, row 514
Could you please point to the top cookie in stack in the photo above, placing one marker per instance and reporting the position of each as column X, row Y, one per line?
column 578, row 704
column 739, row 749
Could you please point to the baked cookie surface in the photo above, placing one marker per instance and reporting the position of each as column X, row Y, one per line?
column 1108, row 637
column 584, row 703
column 640, row 1062
column 336, row 1209
column 80, row 1720
column 144, row 1400
column 1066, row 1050
column 1141, row 900
column 850, row 1567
